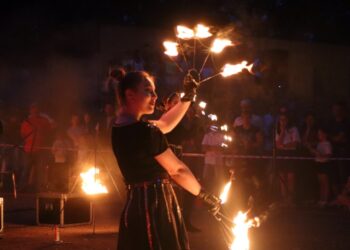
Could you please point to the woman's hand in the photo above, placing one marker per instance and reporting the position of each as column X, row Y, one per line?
column 213, row 202
column 190, row 85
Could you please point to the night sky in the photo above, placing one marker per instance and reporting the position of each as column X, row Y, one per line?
column 27, row 27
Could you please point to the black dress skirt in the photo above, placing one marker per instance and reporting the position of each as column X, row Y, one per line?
column 151, row 218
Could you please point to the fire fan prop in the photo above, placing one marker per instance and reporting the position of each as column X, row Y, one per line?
column 174, row 49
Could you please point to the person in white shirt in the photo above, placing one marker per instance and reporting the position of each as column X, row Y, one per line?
column 287, row 140
column 246, row 108
column 323, row 152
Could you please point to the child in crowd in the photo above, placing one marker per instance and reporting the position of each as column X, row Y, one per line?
column 323, row 152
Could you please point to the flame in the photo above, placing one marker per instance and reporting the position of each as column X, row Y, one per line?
column 91, row 184
column 232, row 69
column 202, row 105
column 171, row 48
column 224, row 127
column 203, row 112
column 184, row 33
column 219, row 45
column 240, row 231
column 202, row 31
column 224, row 193
column 224, row 145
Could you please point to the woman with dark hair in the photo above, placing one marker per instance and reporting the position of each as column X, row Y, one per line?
column 287, row 141
column 151, row 218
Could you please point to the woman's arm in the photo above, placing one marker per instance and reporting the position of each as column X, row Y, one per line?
column 178, row 171
column 170, row 119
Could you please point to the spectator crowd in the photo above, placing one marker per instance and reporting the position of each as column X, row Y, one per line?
column 45, row 154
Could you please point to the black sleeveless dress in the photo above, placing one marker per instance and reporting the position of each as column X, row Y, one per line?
column 151, row 218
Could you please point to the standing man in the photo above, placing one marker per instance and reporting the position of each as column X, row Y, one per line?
column 35, row 131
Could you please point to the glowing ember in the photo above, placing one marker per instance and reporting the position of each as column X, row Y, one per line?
column 213, row 117
column 184, row 32
column 224, row 193
column 91, row 184
column 219, row 45
column 240, row 231
column 171, row 48
column 202, row 31
column 202, row 105
column 232, row 69
column 224, row 127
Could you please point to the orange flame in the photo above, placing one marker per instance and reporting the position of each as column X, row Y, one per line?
column 224, row 193
column 184, row 33
column 91, row 184
column 171, row 48
column 240, row 231
column 219, row 45
column 232, row 69
column 202, row 31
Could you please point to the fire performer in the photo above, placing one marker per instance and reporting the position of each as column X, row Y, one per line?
column 151, row 218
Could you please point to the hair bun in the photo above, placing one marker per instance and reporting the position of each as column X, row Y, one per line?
column 118, row 73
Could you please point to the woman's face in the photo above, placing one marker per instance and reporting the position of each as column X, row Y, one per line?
column 144, row 98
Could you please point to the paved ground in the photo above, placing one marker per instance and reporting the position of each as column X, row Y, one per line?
column 285, row 229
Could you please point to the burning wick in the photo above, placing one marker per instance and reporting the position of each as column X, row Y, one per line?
column 232, row 69
column 202, row 31
column 171, row 48
column 219, row 45
column 91, row 184
column 184, row 33
column 202, row 105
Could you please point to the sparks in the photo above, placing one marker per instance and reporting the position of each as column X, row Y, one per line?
column 202, row 31
column 171, row 48
column 184, row 33
column 91, row 184
column 232, row 69
column 219, row 45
